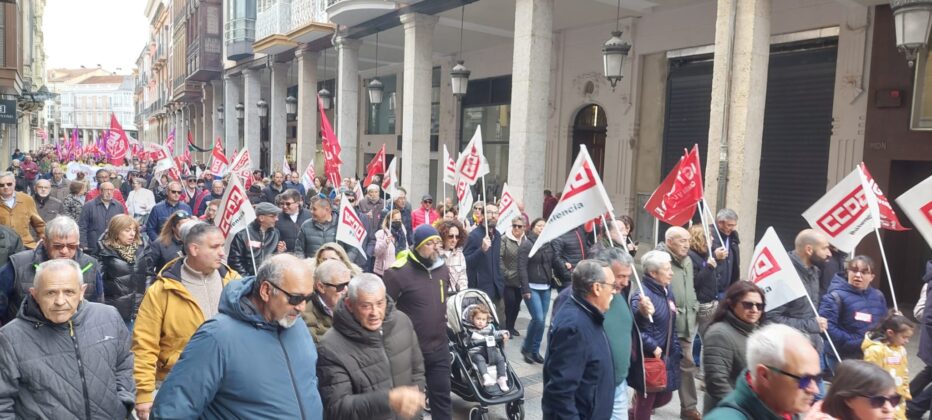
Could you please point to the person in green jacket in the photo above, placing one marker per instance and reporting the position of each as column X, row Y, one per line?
column 781, row 380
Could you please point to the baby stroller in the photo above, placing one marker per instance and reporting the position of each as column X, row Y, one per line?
column 465, row 379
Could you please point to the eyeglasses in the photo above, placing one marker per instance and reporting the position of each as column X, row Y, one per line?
column 71, row 247
column 752, row 305
column 293, row 300
column 863, row 272
column 517, row 226
column 286, row 204
column 877, row 401
column 804, row 381
column 452, row 236
column 175, row 191
column 338, row 287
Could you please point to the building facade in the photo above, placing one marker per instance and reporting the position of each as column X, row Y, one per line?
column 84, row 100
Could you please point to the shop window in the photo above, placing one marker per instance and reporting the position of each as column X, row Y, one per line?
column 488, row 104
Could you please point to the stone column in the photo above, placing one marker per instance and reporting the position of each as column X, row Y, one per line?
column 231, row 97
column 278, row 118
column 197, row 129
column 307, row 109
column 207, row 122
column 217, row 125
column 347, row 96
column 415, row 119
column 530, row 94
column 736, row 120
column 251, row 129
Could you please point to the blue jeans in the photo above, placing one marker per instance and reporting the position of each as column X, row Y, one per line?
column 537, row 305
column 620, row 408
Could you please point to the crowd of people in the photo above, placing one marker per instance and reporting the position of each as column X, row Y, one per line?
column 119, row 296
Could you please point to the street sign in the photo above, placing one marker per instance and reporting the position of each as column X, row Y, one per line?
column 7, row 111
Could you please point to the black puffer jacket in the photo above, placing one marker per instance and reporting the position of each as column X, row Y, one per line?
column 705, row 277
column 81, row 369
column 263, row 245
column 571, row 247
column 537, row 269
column 357, row 367
column 125, row 283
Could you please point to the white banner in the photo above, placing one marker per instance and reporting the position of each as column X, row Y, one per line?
column 507, row 210
column 163, row 159
column 286, row 168
column 390, row 180
column 917, row 204
column 235, row 212
column 472, row 164
column 465, row 200
column 584, row 198
column 844, row 213
column 351, row 230
column 772, row 271
column 308, row 178
column 449, row 170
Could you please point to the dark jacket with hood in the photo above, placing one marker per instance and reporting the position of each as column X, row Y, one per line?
column 358, row 367
column 421, row 293
column 240, row 366
column 851, row 313
column 538, row 269
column 925, row 334
column 18, row 274
column 80, row 369
column 797, row 313
column 124, row 282
column 571, row 247
column 263, row 246
column 579, row 382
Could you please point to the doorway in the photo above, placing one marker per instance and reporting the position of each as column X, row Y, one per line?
column 907, row 252
column 590, row 128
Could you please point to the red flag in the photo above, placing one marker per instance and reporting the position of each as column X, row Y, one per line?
column 888, row 219
column 657, row 203
column 376, row 166
column 170, row 142
column 219, row 162
column 330, row 145
column 687, row 186
column 117, row 142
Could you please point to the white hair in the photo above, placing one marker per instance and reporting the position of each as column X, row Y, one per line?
column 767, row 346
column 652, row 261
column 53, row 267
column 367, row 283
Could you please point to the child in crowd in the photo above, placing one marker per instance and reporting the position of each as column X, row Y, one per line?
column 481, row 331
column 886, row 347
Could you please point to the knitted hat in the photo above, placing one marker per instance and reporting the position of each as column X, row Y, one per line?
column 424, row 233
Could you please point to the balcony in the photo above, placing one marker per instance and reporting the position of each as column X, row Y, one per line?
column 309, row 21
column 184, row 91
column 204, row 55
column 354, row 12
column 272, row 24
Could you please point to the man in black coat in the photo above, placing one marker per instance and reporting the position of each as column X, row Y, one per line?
column 727, row 256
column 483, row 259
column 259, row 241
column 292, row 217
column 96, row 215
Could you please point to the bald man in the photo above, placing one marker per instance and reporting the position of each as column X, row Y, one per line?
column 676, row 244
column 811, row 247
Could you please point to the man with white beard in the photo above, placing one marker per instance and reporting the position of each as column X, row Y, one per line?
column 248, row 361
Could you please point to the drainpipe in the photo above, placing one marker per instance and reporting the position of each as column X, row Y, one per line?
column 726, row 109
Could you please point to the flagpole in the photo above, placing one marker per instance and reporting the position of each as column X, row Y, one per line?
column 705, row 227
column 656, row 230
column 249, row 245
column 485, row 200
column 607, row 233
column 830, row 342
column 883, row 255
column 633, row 270
column 711, row 216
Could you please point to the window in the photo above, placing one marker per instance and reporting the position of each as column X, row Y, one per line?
column 380, row 118
column 435, row 110
column 488, row 104
column 922, row 94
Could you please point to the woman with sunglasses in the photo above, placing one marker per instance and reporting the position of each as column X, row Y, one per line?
column 861, row 391
column 725, row 342
column 454, row 237
column 168, row 244
column 852, row 308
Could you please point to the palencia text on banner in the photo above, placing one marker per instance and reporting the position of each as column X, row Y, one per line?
column 772, row 271
column 584, row 198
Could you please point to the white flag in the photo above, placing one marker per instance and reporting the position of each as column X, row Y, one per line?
column 163, row 159
column 464, row 198
column 472, row 164
column 507, row 210
column 449, row 170
column 286, row 168
column 308, row 178
column 584, row 198
column 390, row 180
column 844, row 213
column 772, row 271
column 917, row 204
column 351, row 230
column 236, row 212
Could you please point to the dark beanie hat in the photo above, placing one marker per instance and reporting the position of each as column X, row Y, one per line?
column 424, row 233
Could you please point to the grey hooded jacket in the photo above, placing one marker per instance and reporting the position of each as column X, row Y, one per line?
column 81, row 369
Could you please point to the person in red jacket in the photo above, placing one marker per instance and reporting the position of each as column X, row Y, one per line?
column 425, row 214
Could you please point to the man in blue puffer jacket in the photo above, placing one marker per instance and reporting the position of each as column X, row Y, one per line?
column 248, row 362
column 852, row 307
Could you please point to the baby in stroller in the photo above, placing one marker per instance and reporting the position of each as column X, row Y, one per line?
column 482, row 349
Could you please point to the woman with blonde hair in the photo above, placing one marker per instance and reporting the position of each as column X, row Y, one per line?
column 125, row 262
column 705, row 278
column 333, row 251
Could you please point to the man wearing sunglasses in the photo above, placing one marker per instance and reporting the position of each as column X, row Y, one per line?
column 331, row 278
column 62, row 241
column 251, row 360
column 164, row 209
column 18, row 211
column 781, row 380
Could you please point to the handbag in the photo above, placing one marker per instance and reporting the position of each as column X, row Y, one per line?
column 655, row 370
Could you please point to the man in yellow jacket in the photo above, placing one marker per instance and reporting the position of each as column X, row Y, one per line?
column 184, row 295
